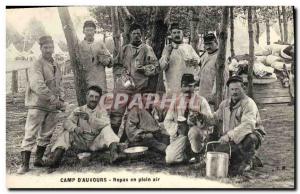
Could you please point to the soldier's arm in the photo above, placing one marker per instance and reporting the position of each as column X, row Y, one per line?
column 216, row 117
column 170, row 121
column 61, row 89
column 100, row 121
column 165, row 57
column 248, row 122
column 131, row 129
column 195, row 56
column 37, row 82
column 151, row 59
column 105, row 56
column 71, row 123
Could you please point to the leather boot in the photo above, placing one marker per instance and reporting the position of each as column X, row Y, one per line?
column 39, row 156
column 55, row 161
column 25, row 155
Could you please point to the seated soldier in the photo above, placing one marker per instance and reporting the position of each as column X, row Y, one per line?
column 87, row 129
column 187, row 132
column 143, row 130
column 242, row 127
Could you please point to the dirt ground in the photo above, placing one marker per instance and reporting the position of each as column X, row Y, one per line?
column 277, row 151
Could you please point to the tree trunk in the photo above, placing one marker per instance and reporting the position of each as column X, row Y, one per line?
column 285, row 28
column 268, row 31
column 78, row 69
column 232, row 32
column 14, row 82
column 159, row 33
column 128, row 19
column 280, row 24
column 257, row 27
column 251, row 53
column 117, row 39
column 194, row 38
column 220, row 62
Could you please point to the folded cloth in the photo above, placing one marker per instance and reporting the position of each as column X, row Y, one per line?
column 279, row 65
column 260, row 70
column 272, row 58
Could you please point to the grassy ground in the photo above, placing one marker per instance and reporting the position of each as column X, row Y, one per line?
column 277, row 151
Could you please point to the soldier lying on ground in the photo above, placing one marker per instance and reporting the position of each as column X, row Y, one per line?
column 242, row 127
column 87, row 129
column 142, row 129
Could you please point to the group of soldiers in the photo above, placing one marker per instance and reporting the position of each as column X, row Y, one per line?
column 178, row 133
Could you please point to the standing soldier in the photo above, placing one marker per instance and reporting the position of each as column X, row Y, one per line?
column 44, row 97
column 94, row 56
column 139, row 64
column 177, row 59
column 208, row 69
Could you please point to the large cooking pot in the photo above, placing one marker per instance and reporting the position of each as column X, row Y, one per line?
column 217, row 162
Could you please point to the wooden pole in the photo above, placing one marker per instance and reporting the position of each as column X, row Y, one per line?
column 285, row 28
column 256, row 20
column 14, row 82
column 280, row 24
column 220, row 62
column 117, row 39
column 268, row 31
column 194, row 38
column 232, row 32
column 79, row 69
column 251, row 52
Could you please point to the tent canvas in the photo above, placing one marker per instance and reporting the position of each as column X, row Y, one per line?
column 35, row 50
column 274, row 37
column 12, row 53
column 57, row 49
column 241, row 38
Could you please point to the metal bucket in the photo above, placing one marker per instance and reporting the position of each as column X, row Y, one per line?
column 217, row 162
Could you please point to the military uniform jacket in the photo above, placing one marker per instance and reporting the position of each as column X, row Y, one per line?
column 44, row 81
column 95, row 57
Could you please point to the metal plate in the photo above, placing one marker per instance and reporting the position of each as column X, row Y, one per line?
column 134, row 150
column 83, row 155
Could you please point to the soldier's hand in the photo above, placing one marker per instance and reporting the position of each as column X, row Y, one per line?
column 224, row 139
column 107, row 61
column 60, row 105
column 53, row 99
column 77, row 130
column 147, row 136
column 84, row 116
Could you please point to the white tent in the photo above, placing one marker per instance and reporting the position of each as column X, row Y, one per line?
column 241, row 39
column 57, row 49
column 274, row 37
column 12, row 53
column 35, row 50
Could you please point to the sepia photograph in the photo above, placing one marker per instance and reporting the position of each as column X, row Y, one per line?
column 150, row 97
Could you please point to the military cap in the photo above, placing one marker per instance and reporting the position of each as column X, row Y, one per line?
column 210, row 37
column 234, row 78
column 89, row 23
column 175, row 25
column 188, row 79
column 45, row 40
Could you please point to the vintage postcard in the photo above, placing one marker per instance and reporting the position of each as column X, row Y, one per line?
column 158, row 97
